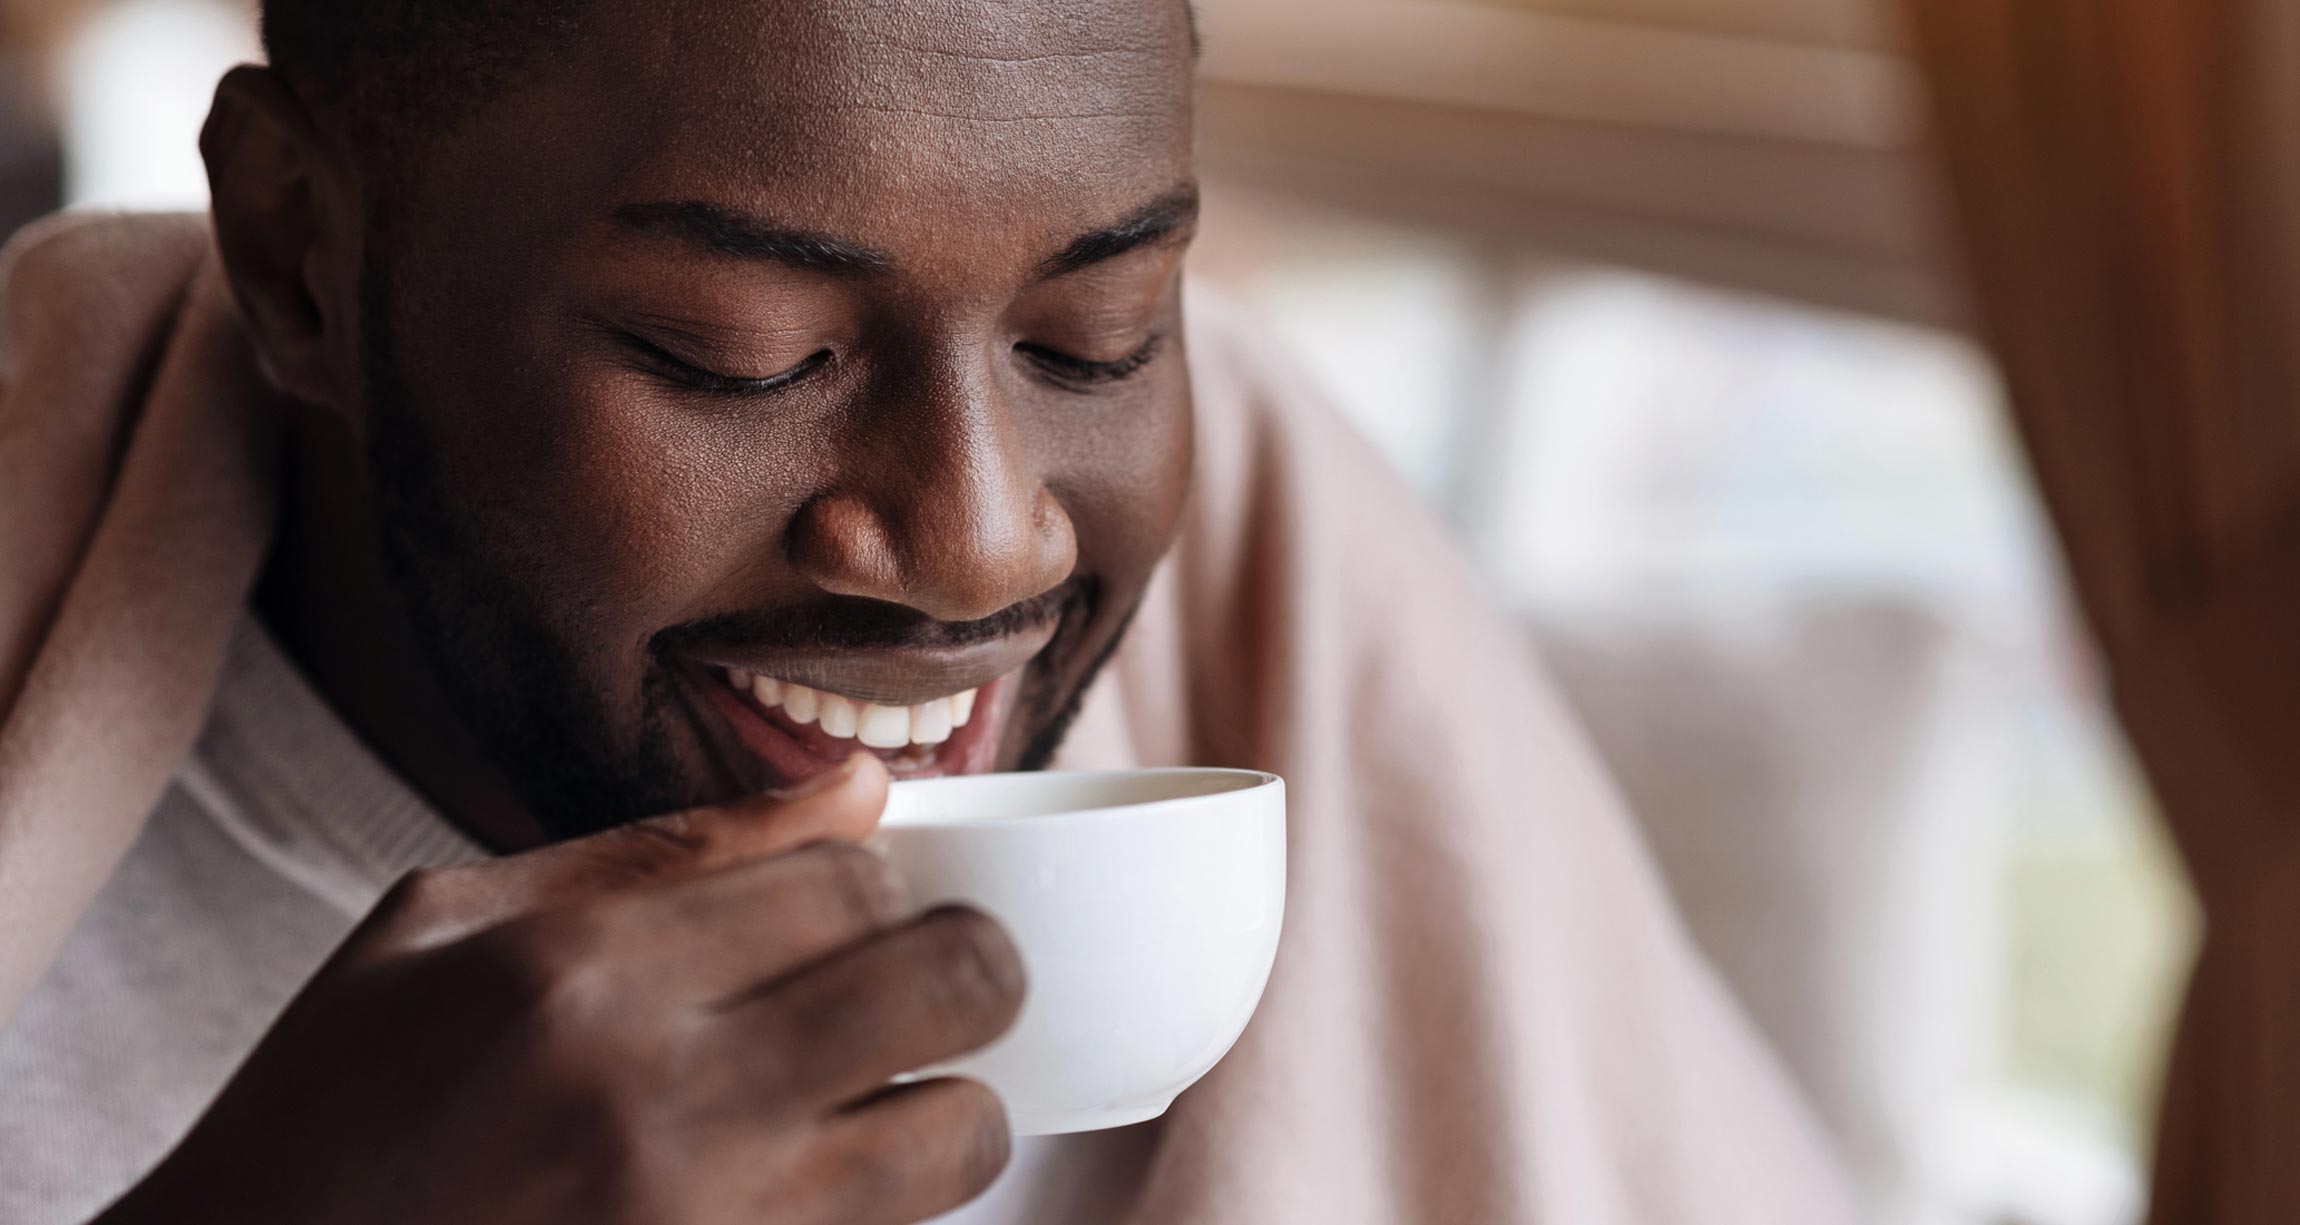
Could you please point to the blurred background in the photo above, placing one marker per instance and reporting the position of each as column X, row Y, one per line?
column 1654, row 300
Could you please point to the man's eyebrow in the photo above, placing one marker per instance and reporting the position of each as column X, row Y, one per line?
column 1161, row 220
column 725, row 231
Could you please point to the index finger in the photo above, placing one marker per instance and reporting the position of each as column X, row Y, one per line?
column 434, row 907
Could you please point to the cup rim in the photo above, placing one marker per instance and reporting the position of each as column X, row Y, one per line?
column 1249, row 781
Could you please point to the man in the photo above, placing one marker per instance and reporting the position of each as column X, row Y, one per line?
column 711, row 410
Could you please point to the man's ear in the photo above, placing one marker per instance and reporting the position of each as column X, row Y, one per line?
column 268, row 188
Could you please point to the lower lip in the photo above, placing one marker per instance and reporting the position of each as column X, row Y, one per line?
column 793, row 752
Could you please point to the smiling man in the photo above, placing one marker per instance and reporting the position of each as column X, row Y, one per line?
column 602, row 442
column 735, row 385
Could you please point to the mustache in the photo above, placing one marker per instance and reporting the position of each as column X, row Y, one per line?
column 849, row 624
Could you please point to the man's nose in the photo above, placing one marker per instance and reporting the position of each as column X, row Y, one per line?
column 944, row 509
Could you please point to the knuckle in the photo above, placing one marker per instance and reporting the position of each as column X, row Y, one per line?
column 985, row 1142
column 44, row 255
column 868, row 1177
column 819, row 1037
column 557, row 968
column 417, row 893
column 981, row 969
column 945, row 1142
column 865, row 887
column 418, row 902
column 575, row 1018
column 54, row 272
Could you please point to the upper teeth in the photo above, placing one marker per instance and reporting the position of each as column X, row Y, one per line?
column 880, row 727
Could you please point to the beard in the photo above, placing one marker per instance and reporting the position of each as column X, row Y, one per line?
column 535, row 703
column 518, row 688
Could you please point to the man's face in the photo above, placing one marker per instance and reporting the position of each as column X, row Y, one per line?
column 764, row 380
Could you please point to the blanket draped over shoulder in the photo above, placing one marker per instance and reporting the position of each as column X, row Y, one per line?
column 1483, row 1011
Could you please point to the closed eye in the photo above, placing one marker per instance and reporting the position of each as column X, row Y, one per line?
column 1079, row 371
column 656, row 360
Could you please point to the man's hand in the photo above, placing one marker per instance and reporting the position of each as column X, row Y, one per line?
column 690, row 1020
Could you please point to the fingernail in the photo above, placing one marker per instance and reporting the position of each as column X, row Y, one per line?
column 828, row 780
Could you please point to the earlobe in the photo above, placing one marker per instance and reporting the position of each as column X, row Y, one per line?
column 265, row 183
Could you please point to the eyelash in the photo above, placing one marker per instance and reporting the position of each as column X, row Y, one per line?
column 1078, row 370
column 663, row 363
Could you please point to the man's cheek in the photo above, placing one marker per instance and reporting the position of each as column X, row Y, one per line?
column 624, row 497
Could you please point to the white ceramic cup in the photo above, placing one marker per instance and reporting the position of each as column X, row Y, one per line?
column 1146, row 904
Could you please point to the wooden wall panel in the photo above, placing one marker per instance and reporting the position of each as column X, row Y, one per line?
column 1783, row 151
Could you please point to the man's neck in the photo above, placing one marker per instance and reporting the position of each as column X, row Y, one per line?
column 326, row 597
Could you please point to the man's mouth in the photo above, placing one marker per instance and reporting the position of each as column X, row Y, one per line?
column 802, row 694
column 796, row 730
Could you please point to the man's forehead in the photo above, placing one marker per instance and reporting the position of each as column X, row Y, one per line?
column 886, row 122
column 959, row 58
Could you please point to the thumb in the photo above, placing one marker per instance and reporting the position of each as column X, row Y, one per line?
column 841, row 804
column 434, row 907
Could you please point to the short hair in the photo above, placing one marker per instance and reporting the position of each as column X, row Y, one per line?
column 393, row 69
column 390, row 69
